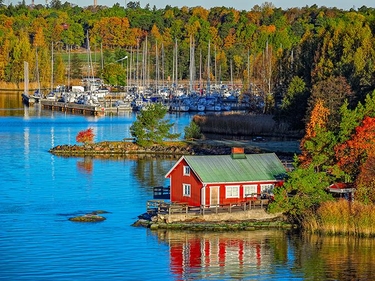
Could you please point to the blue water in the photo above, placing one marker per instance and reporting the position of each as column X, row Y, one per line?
column 39, row 192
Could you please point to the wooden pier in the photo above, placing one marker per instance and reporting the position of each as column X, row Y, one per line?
column 73, row 108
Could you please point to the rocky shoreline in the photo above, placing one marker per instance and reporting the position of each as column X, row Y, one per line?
column 251, row 219
column 217, row 226
column 130, row 148
column 170, row 149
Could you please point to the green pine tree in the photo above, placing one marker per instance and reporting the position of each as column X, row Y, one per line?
column 151, row 127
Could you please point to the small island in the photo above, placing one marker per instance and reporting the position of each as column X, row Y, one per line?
column 90, row 217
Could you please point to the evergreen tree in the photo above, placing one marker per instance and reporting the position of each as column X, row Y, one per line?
column 76, row 66
column 192, row 131
column 151, row 127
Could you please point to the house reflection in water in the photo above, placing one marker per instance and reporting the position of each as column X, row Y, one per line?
column 194, row 256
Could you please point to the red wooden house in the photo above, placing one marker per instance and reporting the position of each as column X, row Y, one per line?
column 224, row 179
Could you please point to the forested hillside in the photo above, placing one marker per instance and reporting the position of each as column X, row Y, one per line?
column 292, row 57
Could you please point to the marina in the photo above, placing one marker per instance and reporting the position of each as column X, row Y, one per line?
column 96, row 103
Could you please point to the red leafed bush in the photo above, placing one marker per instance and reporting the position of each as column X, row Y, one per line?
column 86, row 136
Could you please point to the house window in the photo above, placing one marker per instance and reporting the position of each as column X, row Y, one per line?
column 186, row 171
column 232, row 191
column 186, row 189
column 267, row 188
column 250, row 190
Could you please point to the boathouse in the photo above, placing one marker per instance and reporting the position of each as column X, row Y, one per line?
column 215, row 180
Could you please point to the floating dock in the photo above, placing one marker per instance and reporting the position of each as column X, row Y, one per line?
column 73, row 108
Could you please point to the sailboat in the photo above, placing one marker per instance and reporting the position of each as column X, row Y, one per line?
column 37, row 93
column 26, row 98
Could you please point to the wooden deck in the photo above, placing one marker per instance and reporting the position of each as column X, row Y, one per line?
column 162, row 207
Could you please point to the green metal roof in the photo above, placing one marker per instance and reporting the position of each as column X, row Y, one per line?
column 225, row 168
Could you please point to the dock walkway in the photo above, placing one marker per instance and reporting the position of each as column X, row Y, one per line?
column 72, row 107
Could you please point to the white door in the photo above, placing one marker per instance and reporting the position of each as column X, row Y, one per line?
column 214, row 196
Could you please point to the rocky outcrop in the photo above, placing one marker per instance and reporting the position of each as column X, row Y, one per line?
column 129, row 148
column 90, row 217
column 246, row 220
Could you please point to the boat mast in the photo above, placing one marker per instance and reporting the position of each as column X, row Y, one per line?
column 208, row 68
column 69, row 66
column 26, row 77
column 162, row 63
column 51, row 66
column 200, row 70
column 37, row 69
column 191, row 65
column 157, row 66
column 176, row 66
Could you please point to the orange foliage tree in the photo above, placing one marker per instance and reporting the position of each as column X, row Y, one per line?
column 356, row 157
column 353, row 154
column 86, row 136
column 311, row 143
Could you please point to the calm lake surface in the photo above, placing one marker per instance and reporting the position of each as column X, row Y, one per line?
column 39, row 192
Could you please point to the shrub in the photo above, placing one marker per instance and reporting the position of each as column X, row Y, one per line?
column 192, row 131
column 86, row 136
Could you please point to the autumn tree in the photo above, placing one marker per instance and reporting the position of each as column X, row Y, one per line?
column 318, row 142
column 59, row 71
column 20, row 53
column 86, row 136
column 356, row 155
column 151, row 127
column 333, row 92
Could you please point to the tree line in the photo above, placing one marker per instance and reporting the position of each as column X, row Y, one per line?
column 290, row 58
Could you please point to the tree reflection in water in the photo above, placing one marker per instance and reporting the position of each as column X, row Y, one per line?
column 338, row 257
column 151, row 171
column 266, row 255
column 85, row 166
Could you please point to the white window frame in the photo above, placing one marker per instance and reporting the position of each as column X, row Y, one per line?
column 250, row 190
column 186, row 170
column 267, row 188
column 186, row 189
column 232, row 191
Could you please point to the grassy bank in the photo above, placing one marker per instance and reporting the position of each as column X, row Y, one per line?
column 342, row 218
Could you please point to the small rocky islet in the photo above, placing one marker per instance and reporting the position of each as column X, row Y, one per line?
column 94, row 216
column 126, row 148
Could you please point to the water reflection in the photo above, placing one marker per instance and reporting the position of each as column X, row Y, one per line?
column 337, row 258
column 225, row 255
column 269, row 254
column 150, row 172
column 85, row 166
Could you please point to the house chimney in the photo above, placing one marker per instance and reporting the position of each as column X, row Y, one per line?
column 238, row 153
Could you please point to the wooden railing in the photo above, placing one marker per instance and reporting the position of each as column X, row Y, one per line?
column 162, row 207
